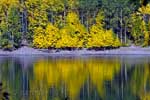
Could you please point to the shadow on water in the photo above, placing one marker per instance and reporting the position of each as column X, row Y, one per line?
column 3, row 94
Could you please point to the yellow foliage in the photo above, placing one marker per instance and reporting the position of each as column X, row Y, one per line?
column 99, row 19
column 37, row 15
column 116, row 42
column 100, row 37
column 146, row 38
column 8, row 3
column 46, row 38
column 146, row 31
column 145, row 9
column 38, row 38
column 72, row 3
column 66, row 39
column 72, row 18
column 73, row 34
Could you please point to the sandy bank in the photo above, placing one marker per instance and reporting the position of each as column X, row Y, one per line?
column 120, row 51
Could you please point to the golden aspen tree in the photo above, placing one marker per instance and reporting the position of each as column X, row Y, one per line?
column 38, row 38
column 55, row 9
column 46, row 38
column 37, row 16
column 146, row 34
column 145, row 11
column 100, row 37
column 137, row 28
column 73, row 33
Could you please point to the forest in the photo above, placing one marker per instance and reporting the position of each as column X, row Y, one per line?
column 74, row 24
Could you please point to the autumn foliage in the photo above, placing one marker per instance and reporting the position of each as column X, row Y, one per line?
column 74, row 35
column 46, row 38
column 100, row 37
column 74, row 24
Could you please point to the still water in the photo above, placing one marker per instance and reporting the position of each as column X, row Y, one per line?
column 76, row 78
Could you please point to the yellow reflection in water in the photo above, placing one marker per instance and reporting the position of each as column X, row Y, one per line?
column 101, row 71
column 140, row 81
column 74, row 73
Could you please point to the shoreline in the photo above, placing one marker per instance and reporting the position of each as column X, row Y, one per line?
column 120, row 51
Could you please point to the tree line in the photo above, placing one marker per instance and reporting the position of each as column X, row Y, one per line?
column 74, row 23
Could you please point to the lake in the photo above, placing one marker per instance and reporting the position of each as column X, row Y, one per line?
column 76, row 78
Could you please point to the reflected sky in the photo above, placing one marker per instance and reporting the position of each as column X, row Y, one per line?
column 76, row 78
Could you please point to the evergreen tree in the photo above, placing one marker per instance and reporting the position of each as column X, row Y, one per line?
column 117, row 14
column 10, row 24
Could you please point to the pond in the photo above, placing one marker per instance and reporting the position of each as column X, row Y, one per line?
column 76, row 78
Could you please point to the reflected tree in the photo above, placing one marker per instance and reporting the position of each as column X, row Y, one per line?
column 3, row 94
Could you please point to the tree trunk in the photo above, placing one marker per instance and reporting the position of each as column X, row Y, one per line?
column 24, row 24
column 52, row 20
column 82, row 17
column 125, row 34
column 87, row 21
column 121, row 30
column 64, row 16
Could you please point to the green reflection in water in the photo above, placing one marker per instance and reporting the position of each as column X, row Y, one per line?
column 76, row 78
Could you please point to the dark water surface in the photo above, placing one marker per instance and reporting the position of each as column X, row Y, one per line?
column 76, row 78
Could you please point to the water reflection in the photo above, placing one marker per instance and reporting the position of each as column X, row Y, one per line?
column 76, row 78
column 3, row 94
